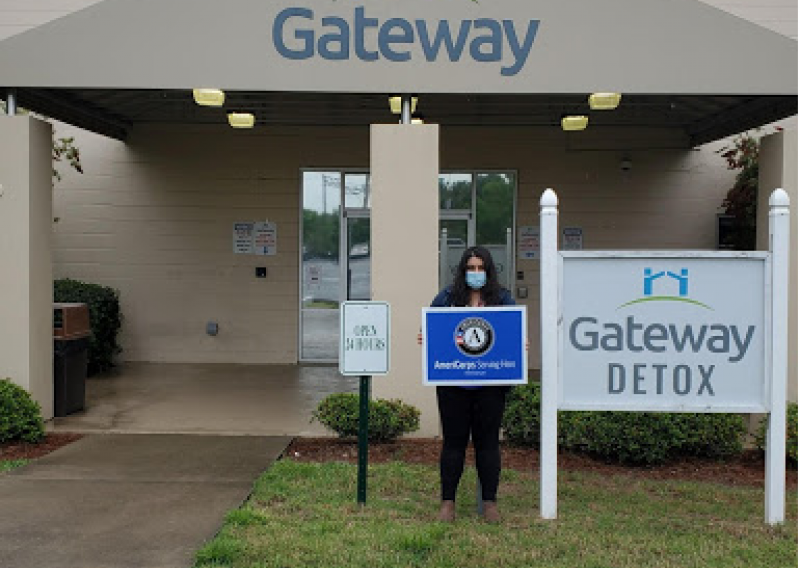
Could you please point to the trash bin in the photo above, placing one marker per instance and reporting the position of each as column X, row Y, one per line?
column 71, row 331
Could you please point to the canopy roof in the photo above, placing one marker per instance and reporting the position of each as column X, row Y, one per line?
column 678, row 63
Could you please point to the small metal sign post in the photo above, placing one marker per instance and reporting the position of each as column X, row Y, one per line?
column 363, row 352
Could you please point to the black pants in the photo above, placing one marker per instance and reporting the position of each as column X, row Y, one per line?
column 477, row 412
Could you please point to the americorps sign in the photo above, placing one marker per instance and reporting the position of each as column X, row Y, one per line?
column 468, row 346
column 663, row 332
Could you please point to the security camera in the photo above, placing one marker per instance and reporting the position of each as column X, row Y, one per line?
column 625, row 164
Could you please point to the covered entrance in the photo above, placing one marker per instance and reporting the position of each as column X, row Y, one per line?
column 154, row 215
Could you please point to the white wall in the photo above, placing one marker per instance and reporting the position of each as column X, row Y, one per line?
column 17, row 16
column 26, row 289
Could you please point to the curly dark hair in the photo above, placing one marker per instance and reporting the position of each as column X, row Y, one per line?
column 491, row 293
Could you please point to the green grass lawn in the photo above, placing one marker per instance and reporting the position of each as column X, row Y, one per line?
column 11, row 464
column 305, row 515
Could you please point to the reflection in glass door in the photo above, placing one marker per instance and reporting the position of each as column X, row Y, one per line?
column 335, row 263
column 320, row 267
column 495, row 195
column 477, row 208
column 358, row 259
column 454, row 238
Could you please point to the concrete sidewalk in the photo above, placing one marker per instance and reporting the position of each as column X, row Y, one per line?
column 127, row 501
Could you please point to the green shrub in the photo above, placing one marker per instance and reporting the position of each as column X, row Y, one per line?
column 521, row 418
column 636, row 438
column 791, row 433
column 388, row 419
column 20, row 415
column 105, row 318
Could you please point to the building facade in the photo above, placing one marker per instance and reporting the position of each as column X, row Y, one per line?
column 165, row 215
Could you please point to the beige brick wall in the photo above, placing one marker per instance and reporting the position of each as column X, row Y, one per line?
column 154, row 219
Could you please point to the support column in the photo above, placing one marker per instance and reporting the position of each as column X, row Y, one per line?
column 404, row 166
column 26, row 281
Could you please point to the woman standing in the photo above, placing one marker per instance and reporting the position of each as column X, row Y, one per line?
column 475, row 411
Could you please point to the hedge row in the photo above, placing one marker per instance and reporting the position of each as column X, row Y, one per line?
column 634, row 438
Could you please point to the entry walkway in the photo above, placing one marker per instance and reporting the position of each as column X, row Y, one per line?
column 261, row 400
column 127, row 501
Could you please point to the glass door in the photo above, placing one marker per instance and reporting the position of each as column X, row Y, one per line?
column 495, row 195
column 477, row 208
column 455, row 235
column 335, row 264
column 320, row 269
column 358, row 258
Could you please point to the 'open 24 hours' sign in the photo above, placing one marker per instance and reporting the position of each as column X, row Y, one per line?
column 364, row 338
column 474, row 346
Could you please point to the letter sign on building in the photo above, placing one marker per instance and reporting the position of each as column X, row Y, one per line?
column 662, row 333
column 299, row 33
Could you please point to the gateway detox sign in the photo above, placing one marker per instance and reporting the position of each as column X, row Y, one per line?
column 663, row 333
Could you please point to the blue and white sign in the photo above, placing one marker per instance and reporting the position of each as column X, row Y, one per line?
column 662, row 332
column 474, row 346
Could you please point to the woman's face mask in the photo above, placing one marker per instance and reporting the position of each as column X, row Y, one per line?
column 476, row 279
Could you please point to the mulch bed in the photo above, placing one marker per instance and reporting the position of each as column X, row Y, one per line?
column 22, row 451
column 744, row 470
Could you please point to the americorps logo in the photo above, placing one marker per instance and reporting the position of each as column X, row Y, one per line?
column 298, row 34
column 667, row 278
column 474, row 336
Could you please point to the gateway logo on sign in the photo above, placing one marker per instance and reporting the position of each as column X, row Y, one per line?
column 682, row 281
column 297, row 35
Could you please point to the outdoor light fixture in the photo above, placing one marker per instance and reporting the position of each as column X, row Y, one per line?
column 604, row 101
column 396, row 104
column 575, row 122
column 209, row 97
column 241, row 119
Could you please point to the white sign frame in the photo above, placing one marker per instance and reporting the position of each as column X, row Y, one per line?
column 353, row 312
column 775, row 360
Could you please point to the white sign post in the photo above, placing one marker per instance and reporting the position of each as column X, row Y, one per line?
column 776, row 432
column 665, row 331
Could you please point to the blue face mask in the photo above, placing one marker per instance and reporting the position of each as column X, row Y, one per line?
column 476, row 280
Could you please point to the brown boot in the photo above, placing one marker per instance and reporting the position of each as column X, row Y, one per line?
column 490, row 512
column 447, row 512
